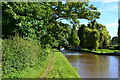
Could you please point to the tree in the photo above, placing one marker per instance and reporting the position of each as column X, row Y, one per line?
column 119, row 32
column 26, row 18
column 72, row 11
column 41, row 20
column 87, row 33
column 114, row 40
column 73, row 38
column 92, row 37
column 104, row 39
column 81, row 34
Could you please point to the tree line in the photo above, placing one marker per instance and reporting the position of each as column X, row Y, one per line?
column 116, row 39
column 42, row 21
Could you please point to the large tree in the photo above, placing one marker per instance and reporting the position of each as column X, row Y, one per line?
column 29, row 19
column 86, row 33
column 41, row 20
column 92, row 39
column 72, row 11
column 104, row 39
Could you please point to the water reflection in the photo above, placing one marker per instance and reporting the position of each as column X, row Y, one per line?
column 95, row 66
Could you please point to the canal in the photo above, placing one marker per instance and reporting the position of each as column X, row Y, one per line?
column 93, row 66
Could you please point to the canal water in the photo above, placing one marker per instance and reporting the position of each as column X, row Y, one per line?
column 93, row 66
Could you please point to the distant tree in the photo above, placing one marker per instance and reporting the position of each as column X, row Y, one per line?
column 104, row 39
column 81, row 34
column 92, row 39
column 74, row 39
column 119, row 32
column 86, row 33
column 114, row 40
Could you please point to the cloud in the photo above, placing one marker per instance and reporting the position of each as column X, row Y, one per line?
column 114, row 24
column 109, row 8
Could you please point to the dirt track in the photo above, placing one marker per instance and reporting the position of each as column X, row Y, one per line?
column 49, row 67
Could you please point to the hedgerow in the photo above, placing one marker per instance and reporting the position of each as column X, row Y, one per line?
column 19, row 54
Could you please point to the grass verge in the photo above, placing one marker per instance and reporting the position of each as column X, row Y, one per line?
column 61, row 68
column 103, row 51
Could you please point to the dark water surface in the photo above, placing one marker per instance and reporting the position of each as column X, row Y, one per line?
column 94, row 66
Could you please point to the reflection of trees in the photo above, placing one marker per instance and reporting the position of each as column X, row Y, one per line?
column 91, row 65
column 97, row 66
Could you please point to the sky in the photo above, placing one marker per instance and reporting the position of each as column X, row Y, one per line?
column 109, row 15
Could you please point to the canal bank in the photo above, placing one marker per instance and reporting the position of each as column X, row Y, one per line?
column 101, row 52
column 93, row 66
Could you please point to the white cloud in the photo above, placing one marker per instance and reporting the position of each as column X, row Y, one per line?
column 109, row 8
column 114, row 24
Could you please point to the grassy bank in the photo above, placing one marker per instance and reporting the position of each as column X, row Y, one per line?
column 103, row 51
column 61, row 68
column 27, row 59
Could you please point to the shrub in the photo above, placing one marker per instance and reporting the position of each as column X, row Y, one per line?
column 19, row 54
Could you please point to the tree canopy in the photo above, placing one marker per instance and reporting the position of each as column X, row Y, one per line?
column 42, row 20
column 93, row 35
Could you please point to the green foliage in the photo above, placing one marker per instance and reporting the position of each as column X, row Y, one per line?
column 26, row 18
column 41, row 20
column 32, row 72
column 19, row 54
column 74, row 39
column 82, row 35
column 92, row 37
column 114, row 40
column 57, row 35
column 72, row 11
column 104, row 38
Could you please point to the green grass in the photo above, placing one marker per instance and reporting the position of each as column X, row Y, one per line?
column 27, row 59
column 103, row 51
column 61, row 68
column 106, row 51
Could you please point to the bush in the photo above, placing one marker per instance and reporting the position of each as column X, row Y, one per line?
column 19, row 54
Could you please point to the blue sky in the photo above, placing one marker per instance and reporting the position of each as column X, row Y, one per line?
column 109, row 15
